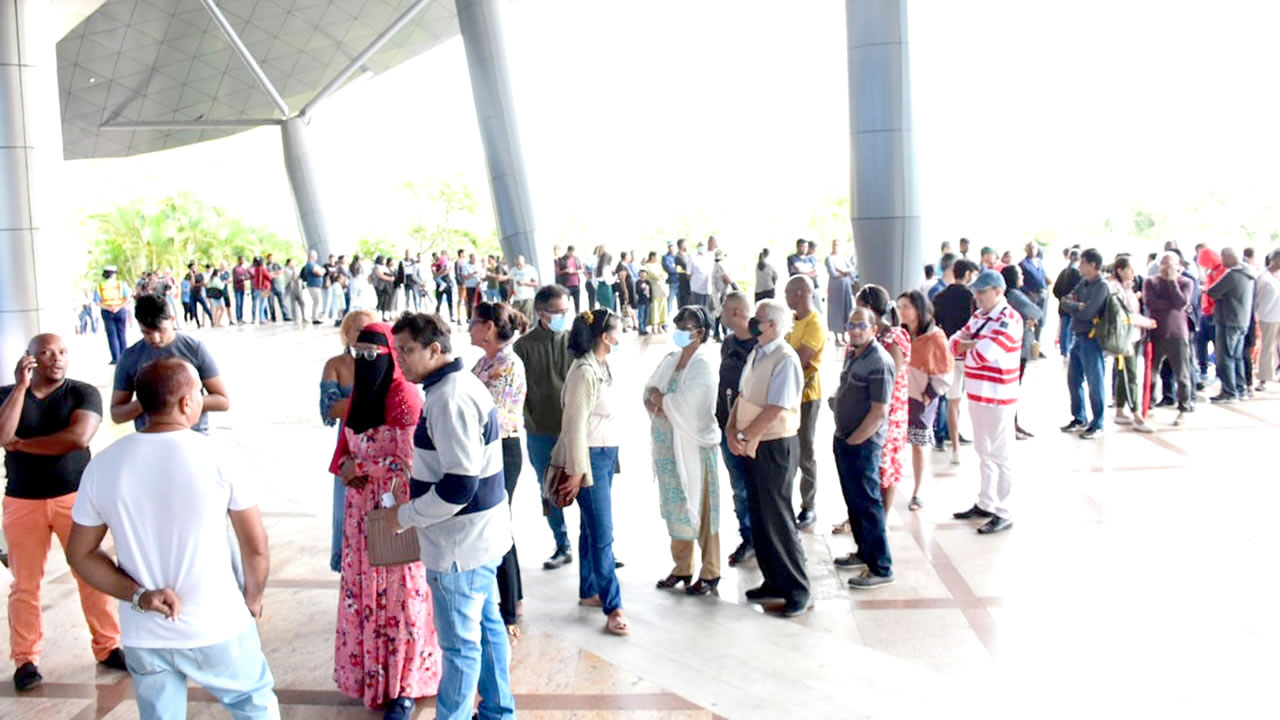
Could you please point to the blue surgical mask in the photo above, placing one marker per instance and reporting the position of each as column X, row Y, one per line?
column 682, row 338
column 613, row 347
column 558, row 323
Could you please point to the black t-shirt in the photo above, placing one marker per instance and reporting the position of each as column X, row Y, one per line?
column 953, row 307
column 733, row 360
column 40, row 477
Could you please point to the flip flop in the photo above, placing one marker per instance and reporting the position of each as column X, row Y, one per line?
column 617, row 625
column 915, row 504
column 841, row 529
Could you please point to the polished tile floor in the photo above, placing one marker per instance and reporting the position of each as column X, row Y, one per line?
column 1136, row 581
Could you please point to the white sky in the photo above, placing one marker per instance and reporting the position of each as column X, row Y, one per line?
column 733, row 117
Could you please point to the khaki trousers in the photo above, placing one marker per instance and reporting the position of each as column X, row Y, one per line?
column 708, row 538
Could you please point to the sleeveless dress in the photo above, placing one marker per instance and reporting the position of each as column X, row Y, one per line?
column 895, row 440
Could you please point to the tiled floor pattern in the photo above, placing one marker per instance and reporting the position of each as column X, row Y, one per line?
column 1135, row 579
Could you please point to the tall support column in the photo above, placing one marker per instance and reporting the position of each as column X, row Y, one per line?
column 884, row 194
column 302, row 181
column 481, row 24
column 35, row 289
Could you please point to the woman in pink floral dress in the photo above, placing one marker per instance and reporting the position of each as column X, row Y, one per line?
column 386, row 652
column 898, row 342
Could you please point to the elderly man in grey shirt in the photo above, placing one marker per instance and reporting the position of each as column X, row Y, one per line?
column 1232, row 310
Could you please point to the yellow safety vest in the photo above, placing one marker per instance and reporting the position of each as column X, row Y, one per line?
column 111, row 293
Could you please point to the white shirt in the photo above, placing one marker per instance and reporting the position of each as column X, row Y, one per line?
column 165, row 498
column 1267, row 298
column 700, row 274
column 523, row 275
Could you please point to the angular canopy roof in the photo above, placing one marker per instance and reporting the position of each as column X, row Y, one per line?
column 156, row 61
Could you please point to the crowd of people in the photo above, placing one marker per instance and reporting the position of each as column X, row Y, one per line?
column 427, row 445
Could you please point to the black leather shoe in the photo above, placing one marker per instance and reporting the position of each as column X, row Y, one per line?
column 849, row 561
column 27, row 677
column 764, row 593
column 114, row 660
column 560, row 559
column 995, row 525
column 794, row 608
column 703, row 587
column 618, row 564
column 806, row 519
column 399, row 709
column 1167, row 401
column 744, row 553
column 971, row 513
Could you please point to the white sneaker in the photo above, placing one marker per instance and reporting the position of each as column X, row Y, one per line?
column 955, row 456
column 1144, row 428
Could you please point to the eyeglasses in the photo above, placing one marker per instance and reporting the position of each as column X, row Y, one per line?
column 858, row 326
column 366, row 354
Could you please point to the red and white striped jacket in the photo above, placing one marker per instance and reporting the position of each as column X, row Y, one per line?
column 991, row 365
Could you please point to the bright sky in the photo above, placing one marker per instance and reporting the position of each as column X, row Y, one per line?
column 732, row 117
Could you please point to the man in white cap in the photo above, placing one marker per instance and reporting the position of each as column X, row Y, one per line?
column 112, row 296
column 991, row 344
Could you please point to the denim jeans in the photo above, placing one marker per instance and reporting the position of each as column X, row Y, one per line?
column 737, row 467
column 1065, row 337
column 859, row 469
column 540, row 457
column 1205, row 333
column 235, row 672
column 673, row 300
column 1086, row 363
column 642, row 318
column 278, row 297
column 473, row 644
column 339, row 519
column 941, row 428
column 114, row 323
column 1228, row 344
column 239, row 306
column 597, row 575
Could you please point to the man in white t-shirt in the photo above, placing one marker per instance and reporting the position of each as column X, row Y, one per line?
column 182, row 616
column 526, row 281
column 700, row 278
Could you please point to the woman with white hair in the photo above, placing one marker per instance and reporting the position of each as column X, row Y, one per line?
column 681, row 399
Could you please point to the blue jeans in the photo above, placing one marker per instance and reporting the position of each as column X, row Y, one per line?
column 673, row 300
column 540, row 457
column 473, row 644
column 235, row 672
column 339, row 518
column 859, row 470
column 941, row 428
column 239, row 306
column 1228, row 344
column 1086, row 363
column 1065, row 338
column 597, row 575
column 642, row 313
column 737, row 466
column 114, row 323
column 1205, row 333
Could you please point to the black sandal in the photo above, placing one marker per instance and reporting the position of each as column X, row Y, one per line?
column 915, row 503
column 703, row 587
column 671, row 581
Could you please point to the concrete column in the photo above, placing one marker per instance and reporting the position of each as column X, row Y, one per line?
column 884, row 194
column 35, row 284
column 481, row 25
column 302, row 181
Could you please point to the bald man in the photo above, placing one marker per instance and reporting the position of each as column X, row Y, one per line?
column 46, row 423
column 166, row 494
column 808, row 337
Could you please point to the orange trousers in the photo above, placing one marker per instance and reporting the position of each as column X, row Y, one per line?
column 28, row 529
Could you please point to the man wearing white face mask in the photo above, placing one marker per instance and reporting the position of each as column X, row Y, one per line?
column 545, row 353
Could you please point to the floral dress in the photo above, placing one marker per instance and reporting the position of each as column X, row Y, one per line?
column 896, row 438
column 386, row 642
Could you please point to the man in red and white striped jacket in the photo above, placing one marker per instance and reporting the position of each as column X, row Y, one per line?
column 991, row 343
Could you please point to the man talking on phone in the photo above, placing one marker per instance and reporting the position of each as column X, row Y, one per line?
column 46, row 423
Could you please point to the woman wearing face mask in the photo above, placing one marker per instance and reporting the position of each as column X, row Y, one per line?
column 336, row 381
column 493, row 327
column 386, row 652
column 681, row 398
column 587, row 454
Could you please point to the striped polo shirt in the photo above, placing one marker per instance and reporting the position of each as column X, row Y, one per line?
column 458, row 491
column 991, row 366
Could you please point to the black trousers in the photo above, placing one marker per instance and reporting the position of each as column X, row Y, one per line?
column 510, row 588
column 770, row 477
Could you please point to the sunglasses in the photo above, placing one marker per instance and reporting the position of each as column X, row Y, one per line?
column 857, row 326
column 366, row 354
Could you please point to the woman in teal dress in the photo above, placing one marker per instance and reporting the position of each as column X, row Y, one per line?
column 681, row 400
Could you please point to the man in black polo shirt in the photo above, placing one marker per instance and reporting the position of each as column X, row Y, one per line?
column 952, row 308
column 737, row 347
column 46, row 423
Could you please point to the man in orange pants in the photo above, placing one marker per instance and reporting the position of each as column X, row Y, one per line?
column 46, row 423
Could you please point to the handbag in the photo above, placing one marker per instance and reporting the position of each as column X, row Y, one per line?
column 554, row 480
column 387, row 547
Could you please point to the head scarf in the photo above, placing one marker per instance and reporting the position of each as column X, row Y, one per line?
column 381, row 394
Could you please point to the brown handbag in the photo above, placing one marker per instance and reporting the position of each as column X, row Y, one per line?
column 387, row 547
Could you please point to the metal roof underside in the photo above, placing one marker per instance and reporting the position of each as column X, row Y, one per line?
column 167, row 60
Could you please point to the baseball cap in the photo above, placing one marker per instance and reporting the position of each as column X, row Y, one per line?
column 988, row 279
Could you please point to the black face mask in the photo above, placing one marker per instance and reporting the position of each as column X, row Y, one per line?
column 753, row 327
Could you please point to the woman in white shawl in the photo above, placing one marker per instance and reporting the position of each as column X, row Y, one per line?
column 681, row 400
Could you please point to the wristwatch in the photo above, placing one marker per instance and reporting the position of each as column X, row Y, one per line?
column 137, row 598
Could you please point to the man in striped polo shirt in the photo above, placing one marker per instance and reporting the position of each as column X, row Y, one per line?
column 991, row 344
column 459, row 509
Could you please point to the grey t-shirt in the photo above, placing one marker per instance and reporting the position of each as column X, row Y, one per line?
column 141, row 353
column 867, row 377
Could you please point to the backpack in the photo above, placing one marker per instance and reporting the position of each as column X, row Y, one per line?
column 1114, row 329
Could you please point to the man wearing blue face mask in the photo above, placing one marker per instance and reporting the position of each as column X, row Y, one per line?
column 545, row 353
